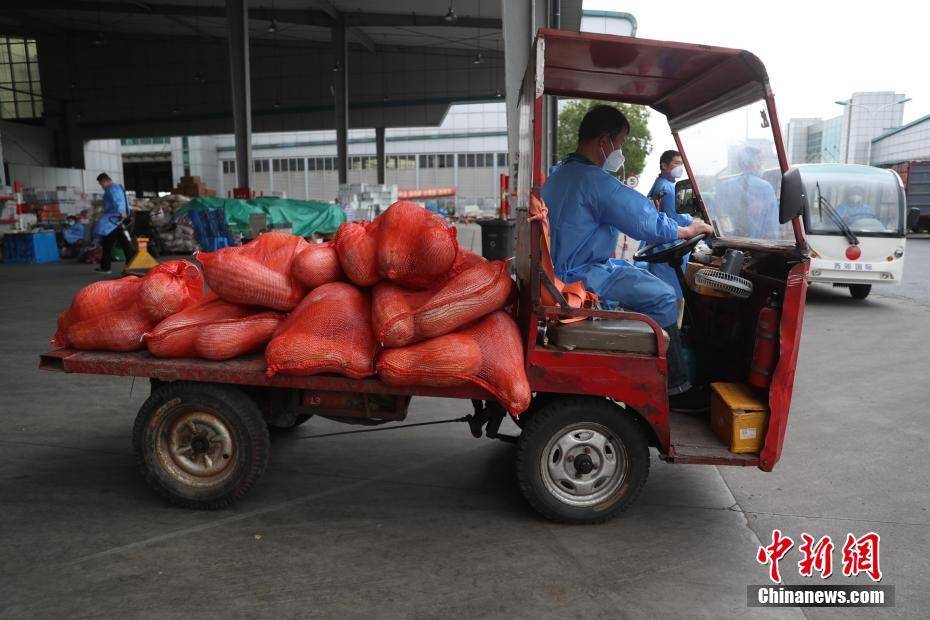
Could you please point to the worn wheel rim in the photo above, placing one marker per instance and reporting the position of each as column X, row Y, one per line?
column 584, row 464
column 196, row 446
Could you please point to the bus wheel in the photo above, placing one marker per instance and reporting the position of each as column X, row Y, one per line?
column 860, row 291
column 582, row 460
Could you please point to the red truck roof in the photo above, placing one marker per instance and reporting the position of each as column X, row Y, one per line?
column 685, row 82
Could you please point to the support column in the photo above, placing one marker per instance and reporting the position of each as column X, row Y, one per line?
column 341, row 97
column 237, row 24
column 379, row 146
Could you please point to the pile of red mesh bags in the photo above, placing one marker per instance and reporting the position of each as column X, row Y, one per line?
column 213, row 329
column 330, row 331
column 113, row 315
column 395, row 297
column 258, row 273
column 488, row 353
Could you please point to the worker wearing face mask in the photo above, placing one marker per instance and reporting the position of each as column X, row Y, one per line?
column 854, row 206
column 671, row 168
column 589, row 208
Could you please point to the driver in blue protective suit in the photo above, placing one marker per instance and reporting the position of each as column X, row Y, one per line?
column 854, row 206
column 589, row 208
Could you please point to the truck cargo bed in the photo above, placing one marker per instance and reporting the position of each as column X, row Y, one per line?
column 246, row 370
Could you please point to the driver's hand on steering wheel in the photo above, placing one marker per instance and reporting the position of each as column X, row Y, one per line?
column 695, row 228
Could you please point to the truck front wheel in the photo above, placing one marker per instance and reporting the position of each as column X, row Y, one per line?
column 582, row 460
column 200, row 445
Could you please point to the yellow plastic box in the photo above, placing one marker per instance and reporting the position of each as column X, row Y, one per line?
column 739, row 415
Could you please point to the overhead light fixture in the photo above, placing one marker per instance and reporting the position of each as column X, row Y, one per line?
column 175, row 110
column 451, row 17
column 336, row 67
column 478, row 59
column 98, row 40
column 273, row 26
column 276, row 105
column 498, row 93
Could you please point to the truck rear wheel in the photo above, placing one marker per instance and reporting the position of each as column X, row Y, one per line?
column 582, row 460
column 860, row 291
column 200, row 445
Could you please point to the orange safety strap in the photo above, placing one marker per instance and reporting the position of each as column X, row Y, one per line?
column 574, row 293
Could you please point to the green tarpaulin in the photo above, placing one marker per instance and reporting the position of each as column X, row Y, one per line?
column 305, row 216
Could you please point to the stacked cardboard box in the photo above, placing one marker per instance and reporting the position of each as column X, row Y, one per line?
column 364, row 201
column 193, row 187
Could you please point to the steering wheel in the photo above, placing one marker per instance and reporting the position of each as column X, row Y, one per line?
column 650, row 253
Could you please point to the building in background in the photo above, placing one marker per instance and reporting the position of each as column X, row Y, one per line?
column 846, row 138
column 910, row 142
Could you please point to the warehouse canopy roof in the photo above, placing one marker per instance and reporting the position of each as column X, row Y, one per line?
column 139, row 68
column 685, row 82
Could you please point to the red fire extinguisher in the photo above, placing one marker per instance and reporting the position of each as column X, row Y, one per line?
column 765, row 351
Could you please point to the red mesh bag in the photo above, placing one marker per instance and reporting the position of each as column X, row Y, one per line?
column 318, row 265
column 446, row 361
column 231, row 338
column 401, row 317
column 114, row 331
column 95, row 300
column 257, row 273
column 356, row 245
column 165, row 289
column 169, row 288
column 436, row 362
column 214, row 329
column 415, row 246
column 330, row 331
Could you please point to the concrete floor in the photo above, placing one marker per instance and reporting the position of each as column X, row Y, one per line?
column 428, row 522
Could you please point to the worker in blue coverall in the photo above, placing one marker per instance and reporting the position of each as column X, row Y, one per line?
column 589, row 208
column 747, row 200
column 854, row 207
column 671, row 168
column 109, row 227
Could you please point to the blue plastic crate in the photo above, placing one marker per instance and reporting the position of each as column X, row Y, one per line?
column 30, row 248
column 210, row 228
column 212, row 244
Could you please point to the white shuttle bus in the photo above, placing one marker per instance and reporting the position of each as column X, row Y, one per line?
column 855, row 225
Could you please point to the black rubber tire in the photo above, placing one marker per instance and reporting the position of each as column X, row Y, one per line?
column 300, row 419
column 239, row 415
column 546, row 423
column 860, row 291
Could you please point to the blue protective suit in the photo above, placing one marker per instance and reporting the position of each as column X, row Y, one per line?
column 749, row 202
column 73, row 233
column 114, row 204
column 588, row 209
column 664, row 271
column 850, row 213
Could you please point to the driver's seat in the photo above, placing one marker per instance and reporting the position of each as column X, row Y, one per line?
column 615, row 335
column 609, row 335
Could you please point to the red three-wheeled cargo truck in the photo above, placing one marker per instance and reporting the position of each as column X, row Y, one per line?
column 599, row 383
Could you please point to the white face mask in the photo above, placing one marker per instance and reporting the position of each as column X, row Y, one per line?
column 677, row 171
column 613, row 161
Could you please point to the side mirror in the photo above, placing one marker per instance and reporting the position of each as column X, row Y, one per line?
column 913, row 216
column 793, row 196
column 685, row 199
